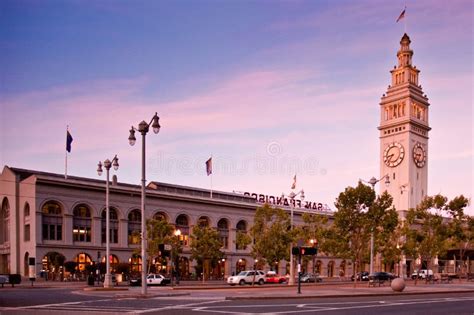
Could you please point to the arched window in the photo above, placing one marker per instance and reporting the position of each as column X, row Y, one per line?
column 182, row 224
column 81, row 230
column 113, row 225
column 113, row 262
column 52, row 221
column 223, row 228
column 26, row 210
column 160, row 216
column 134, row 226
column 4, row 222
column 204, row 221
column 241, row 265
column 241, row 228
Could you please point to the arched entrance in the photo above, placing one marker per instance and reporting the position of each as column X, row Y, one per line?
column 184, row 268
column 342, row 269
column 53, row 265
column 135, row 263
column 331, row 269
column 240, row 265
column 83, row 262
column 318, row 266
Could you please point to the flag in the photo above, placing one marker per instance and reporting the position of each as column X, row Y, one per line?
column 293, row 186
column 402, row 15
column 68, row 142
column 209, row 166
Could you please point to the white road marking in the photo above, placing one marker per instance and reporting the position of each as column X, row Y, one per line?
column 175, row 307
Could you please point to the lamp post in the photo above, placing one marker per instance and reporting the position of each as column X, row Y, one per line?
column 372, row 182
column 143, row 128
column 176, row 233
column 107, row 164
column 292, row 196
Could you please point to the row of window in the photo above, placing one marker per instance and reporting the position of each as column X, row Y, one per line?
column 52, row 225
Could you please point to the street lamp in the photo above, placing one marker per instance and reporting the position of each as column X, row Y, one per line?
column 176, row 233
column 107, row 164
column 292, row 196
column 143, row 128
column 372, row 182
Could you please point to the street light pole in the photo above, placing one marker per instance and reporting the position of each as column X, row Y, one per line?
column 143, row 128
column 372, row 182
column 108, row 283
column 292, row 197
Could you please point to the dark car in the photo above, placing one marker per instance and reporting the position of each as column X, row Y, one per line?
column 361, row 276
column 135, row 280
column 381, row 276
column 310, row 277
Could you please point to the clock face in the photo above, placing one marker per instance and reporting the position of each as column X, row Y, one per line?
column 419, row 155
column 393, row 155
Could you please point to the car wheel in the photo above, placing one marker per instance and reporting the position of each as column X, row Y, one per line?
column 261, row 282
column 281, row 281
column 242, row 282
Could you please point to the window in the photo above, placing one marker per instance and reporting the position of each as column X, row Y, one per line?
column 113, row 226
column 204, row 221
column 81, row 230
column 52, row 224
column 223, row 228
column 160, row 216
column 4, row 222
column 182, row 224
column 26, row 211
column 241, row 228
column 27, row 233
column 134, row 227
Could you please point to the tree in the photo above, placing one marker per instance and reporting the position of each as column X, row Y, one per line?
column 426, row 232
column 461, row 228
column 314, row 227
column 272, row 235
column 359, row 214
column 242, row 239
column 205, row 247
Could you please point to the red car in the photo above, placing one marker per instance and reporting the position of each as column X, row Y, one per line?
column 273, row 277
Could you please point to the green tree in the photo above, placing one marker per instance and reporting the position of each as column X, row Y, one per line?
column 426, row 232
column 242, row 239
column 314, row 228
column 205, row 247
column 159, row 232
column 271, row 234
column 359, row 214
column 461, row 228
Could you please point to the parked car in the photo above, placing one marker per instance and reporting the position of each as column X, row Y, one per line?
column 273, row 277
column 383, row 276
column 310, row 277
column 361, row 276
column 135, row 280
column 422, row 274
column 247, row 276
column 157, row 279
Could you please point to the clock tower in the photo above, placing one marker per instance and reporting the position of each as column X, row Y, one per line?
column 404, row 131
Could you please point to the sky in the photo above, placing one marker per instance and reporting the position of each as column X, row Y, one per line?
column 267, row 88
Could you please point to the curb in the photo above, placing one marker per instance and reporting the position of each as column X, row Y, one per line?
column 236, row 298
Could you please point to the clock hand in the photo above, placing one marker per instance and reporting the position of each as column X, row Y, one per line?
column 389, row 157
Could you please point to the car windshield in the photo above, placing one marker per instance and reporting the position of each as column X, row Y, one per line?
column 242, row 273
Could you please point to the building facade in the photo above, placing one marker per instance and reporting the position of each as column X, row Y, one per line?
column 56, row 220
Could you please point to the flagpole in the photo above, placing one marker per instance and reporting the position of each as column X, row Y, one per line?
column 65, row 158
column 405, row 22
column 211, row 176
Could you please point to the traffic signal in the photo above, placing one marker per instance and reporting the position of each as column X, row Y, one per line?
column 308, row 251
column 304, row 251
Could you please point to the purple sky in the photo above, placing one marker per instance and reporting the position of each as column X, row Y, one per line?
column 269, row 88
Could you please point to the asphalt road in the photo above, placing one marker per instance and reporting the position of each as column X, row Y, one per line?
column 68, row 301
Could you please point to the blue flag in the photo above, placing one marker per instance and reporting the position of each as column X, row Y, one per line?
column 68, row 142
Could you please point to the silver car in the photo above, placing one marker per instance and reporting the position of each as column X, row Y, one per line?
column 248, row 276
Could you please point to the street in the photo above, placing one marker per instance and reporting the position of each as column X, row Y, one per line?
column 72, row 301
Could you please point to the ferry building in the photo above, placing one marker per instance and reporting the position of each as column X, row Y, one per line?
column 44, row 215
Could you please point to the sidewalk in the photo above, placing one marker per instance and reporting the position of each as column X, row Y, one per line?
column 220, row 290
